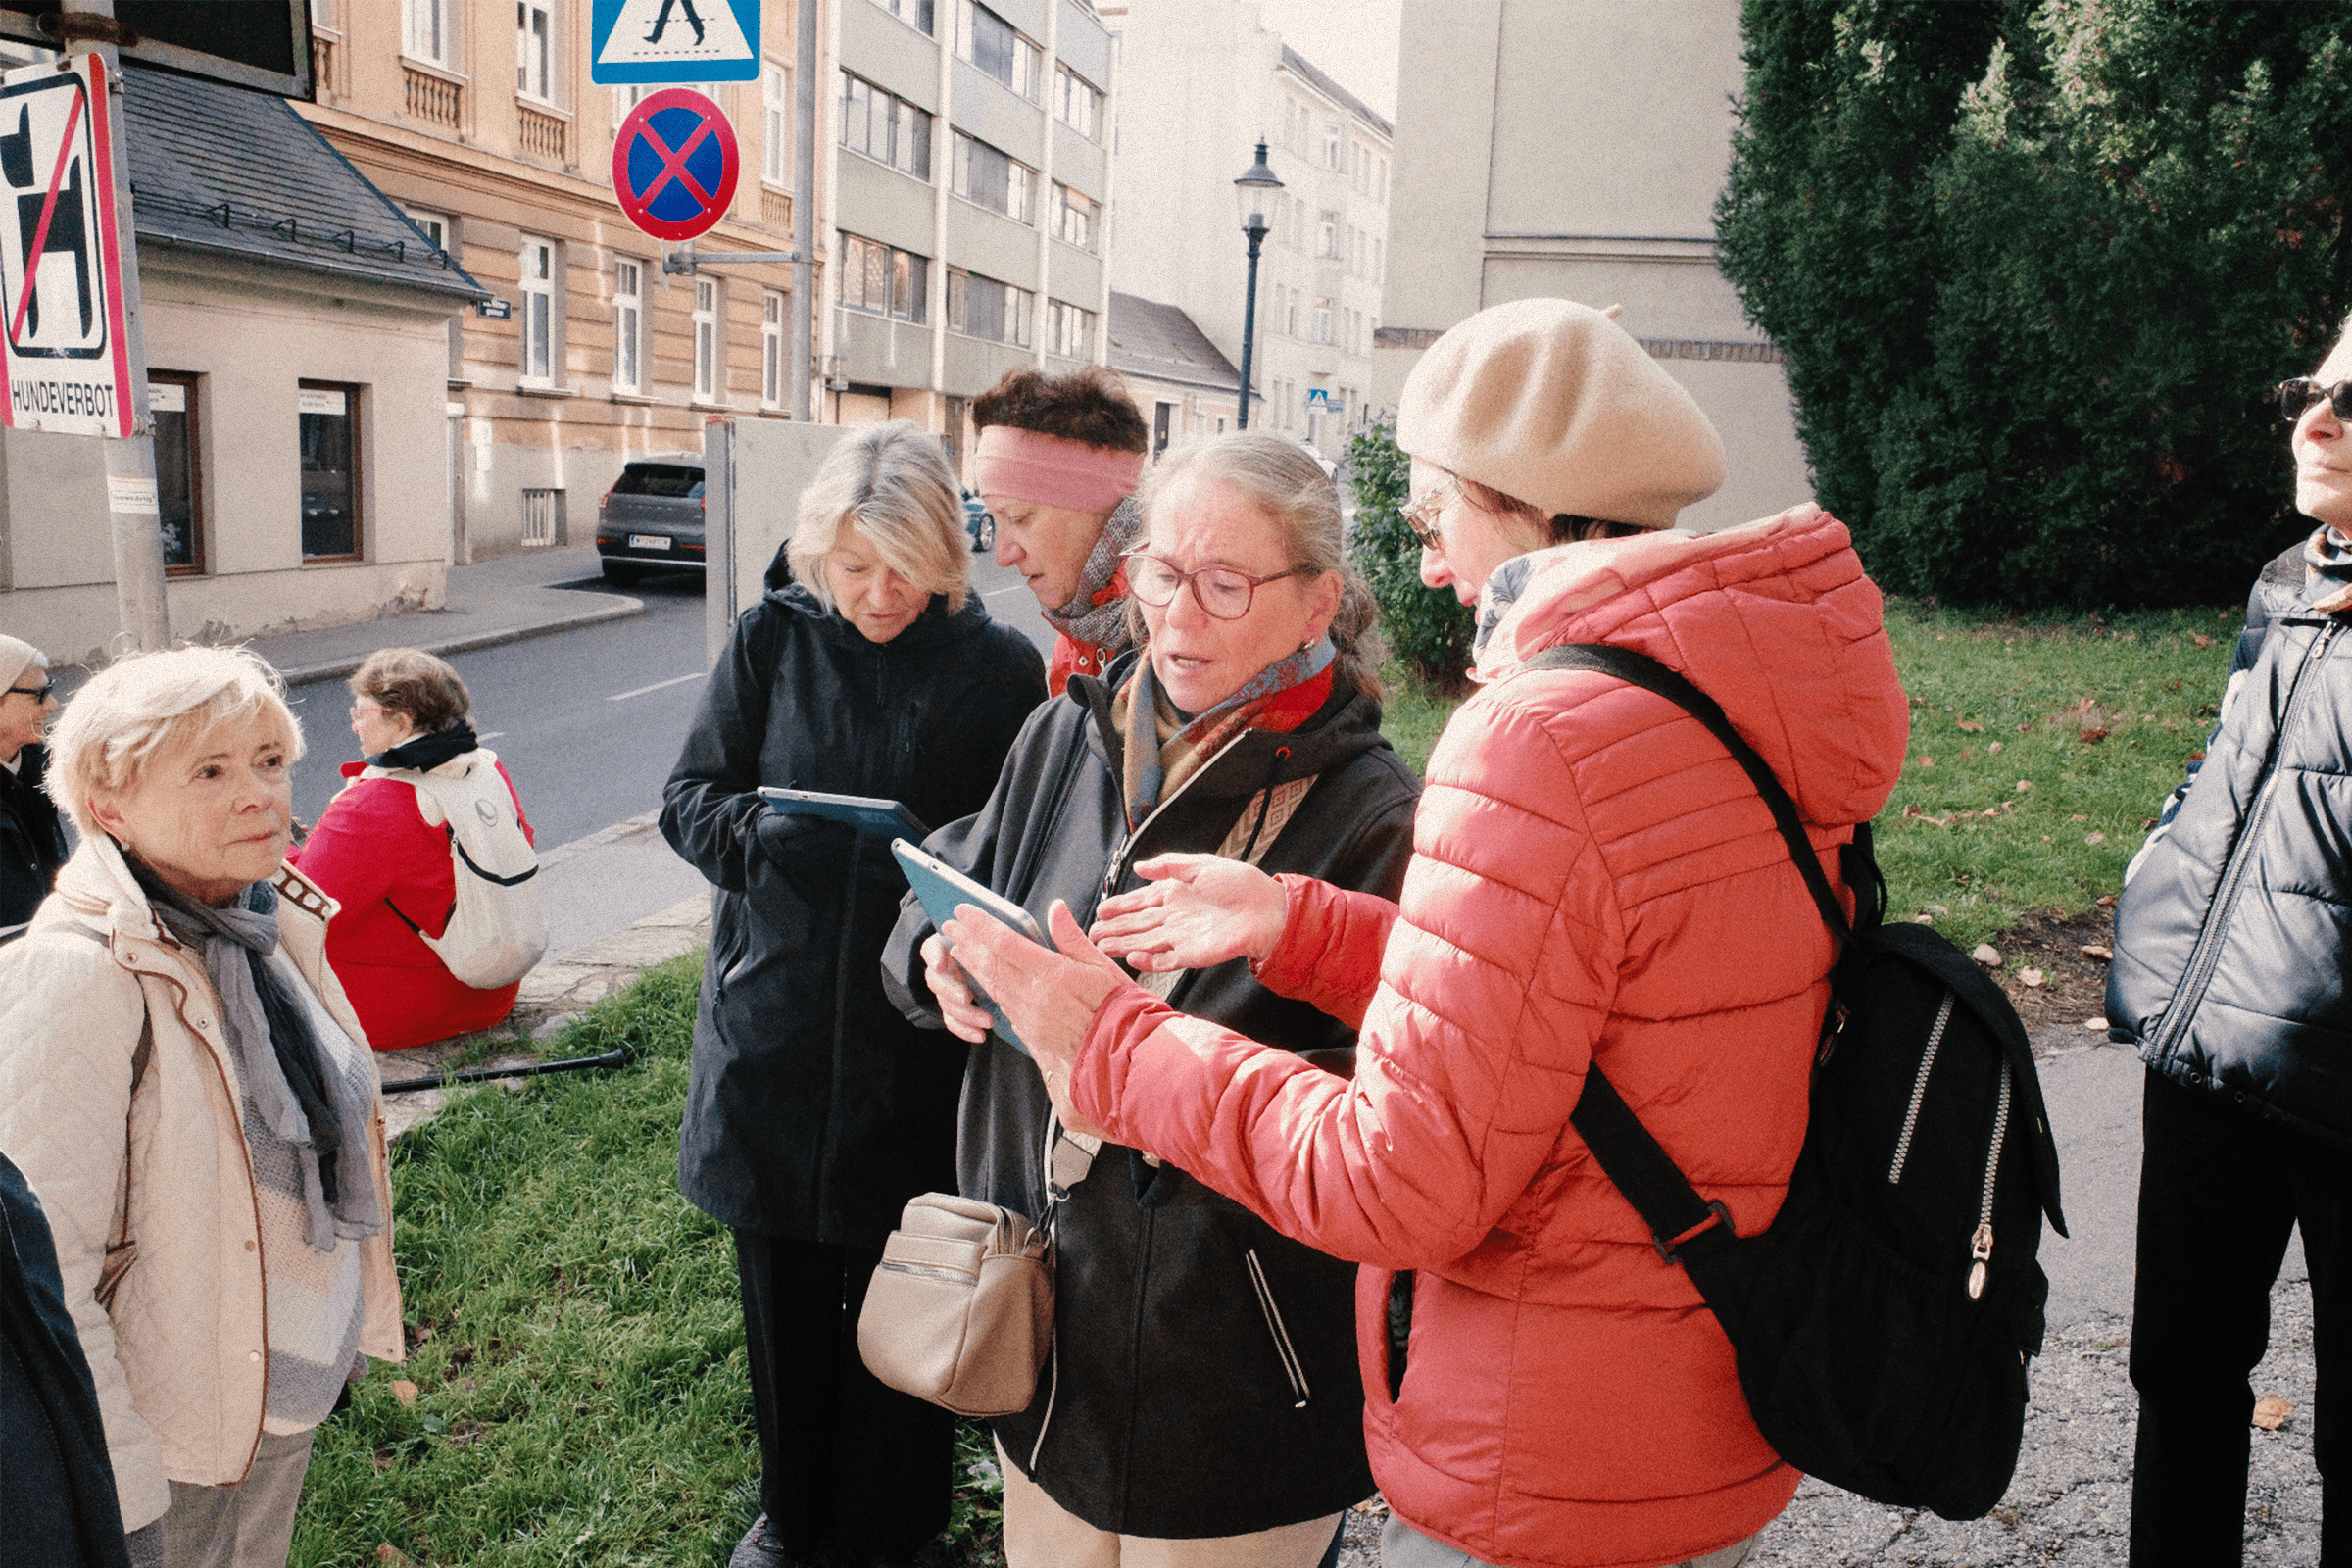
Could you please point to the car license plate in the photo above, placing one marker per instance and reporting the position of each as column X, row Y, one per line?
column 649, row 541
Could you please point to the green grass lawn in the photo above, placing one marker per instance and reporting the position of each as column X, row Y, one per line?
column 2094, row 718
column 578, row 1386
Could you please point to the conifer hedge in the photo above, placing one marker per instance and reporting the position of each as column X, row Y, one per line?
column 2035, row 268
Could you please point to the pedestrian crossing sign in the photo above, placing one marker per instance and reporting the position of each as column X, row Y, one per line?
column 657, row 41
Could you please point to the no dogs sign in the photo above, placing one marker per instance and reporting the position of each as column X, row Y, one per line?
column 61, row 277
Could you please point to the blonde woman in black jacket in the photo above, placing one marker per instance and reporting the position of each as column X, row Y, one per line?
column 814, row 1110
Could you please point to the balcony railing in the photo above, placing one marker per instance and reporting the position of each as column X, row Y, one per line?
column 775, row 210
column 432, row 100
column 322, row 64
column 543, row 134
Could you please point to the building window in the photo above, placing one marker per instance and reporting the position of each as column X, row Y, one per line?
column 538, row 308
column 886, row 128
column 991, row 44
column 1331, row 148
column 535, row 49
column 775, row 125
column 916, row 14
column 1074, row 217
column 984, row 176
column 330, row 471
column 542, row 518
column 706, row 344
column 1322, row 318
column 432, row 31
column 771, row 349
column 436, row 226
column 887, row 282
column 1327, row 243
column 629, row 326
column 178, row 478
column 1076, row 103
column 983, row 308
column 1070, row 330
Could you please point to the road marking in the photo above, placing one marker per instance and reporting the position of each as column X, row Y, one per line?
column 998, row 593
column 660, row 685
column 490, row 735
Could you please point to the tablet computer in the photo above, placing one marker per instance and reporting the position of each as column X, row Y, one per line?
column 870, row 813
column 939, row 887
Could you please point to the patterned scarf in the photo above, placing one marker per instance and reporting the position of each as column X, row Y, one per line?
column 292, row 1086
column 2328, row 554
column 1165, row 747
column 1097, row 613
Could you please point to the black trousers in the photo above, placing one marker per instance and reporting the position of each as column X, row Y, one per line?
column 2220, row 1192
column 848, row 1466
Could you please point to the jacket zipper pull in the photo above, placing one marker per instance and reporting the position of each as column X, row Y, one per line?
column 1981, row 1248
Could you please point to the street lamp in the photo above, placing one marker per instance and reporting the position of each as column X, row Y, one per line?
column 1256, row 192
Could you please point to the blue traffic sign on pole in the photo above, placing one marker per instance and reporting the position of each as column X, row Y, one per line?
column 637, row 41
column 674, row 163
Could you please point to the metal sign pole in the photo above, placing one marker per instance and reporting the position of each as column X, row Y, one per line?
column 804, row 203
column 130, row 494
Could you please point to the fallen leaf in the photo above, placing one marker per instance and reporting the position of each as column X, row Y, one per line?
column 2046, row 838
column 1923, row 920
column 2271, row 1412
column 2078, row 817
column 2024, row 784
column 2094, row 838
column 2098, row 1026
column 1994, row 746
column 2203, row 641
column 2107, row 901
column 1913, row 811
column 1968, row 754
column 1927, row 761
column 2030, row 977
column 2023, row 728
column 1935, row 908
column 1987, row 954
column 2092, row 737
column 2094, row 951
column 1971, row 725
column 403, row 1391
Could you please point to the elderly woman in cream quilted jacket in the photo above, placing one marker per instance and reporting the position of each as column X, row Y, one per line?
column 186, row 1088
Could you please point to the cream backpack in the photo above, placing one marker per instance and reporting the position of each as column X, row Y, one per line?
column 497, row 930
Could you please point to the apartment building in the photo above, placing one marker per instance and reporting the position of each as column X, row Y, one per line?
column 1575, row 148
column 1203, row 81
column 478, row 116
column 968, row 177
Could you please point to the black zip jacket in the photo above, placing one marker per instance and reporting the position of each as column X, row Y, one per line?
column 1204, row 1380
column 32, row 840
column 814, row 1109
column 2231, row 938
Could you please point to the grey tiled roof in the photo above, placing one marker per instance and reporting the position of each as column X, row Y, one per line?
column 1322, row 80
column 1161, row 341
column 215, row 168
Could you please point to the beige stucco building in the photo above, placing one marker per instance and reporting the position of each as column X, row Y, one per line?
column 1576, row 148
column 297, row 343
column 1201, row 83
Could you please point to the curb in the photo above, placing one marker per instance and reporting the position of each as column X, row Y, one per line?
column 333, row 668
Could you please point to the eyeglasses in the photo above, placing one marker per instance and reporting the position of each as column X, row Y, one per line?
column 357, row 708
column 1221, row 591
column 39, row 694
column 2298, row 395
column 1421, row 515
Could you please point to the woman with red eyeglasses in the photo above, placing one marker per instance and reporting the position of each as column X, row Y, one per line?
column 1203, row 1385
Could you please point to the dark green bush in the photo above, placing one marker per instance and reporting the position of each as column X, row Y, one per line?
column 1428, row 630
column 2035, row 267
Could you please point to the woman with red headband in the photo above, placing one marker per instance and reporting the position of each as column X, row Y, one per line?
column 1204, row 1385
column 1058, row 460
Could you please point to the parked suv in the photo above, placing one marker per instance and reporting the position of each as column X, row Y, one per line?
column 652, row 517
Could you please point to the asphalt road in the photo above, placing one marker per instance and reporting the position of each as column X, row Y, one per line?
column 588, row 724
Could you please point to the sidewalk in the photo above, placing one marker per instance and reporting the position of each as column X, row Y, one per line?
column 490, row 602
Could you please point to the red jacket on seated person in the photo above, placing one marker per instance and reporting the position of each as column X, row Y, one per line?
column 374, row 854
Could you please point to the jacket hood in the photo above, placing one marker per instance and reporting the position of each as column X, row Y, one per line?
column 1773, row 619
column 935, row 627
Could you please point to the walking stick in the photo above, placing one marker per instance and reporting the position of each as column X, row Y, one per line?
column 618, row 1057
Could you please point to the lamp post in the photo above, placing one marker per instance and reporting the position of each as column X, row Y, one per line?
column 1255, row 191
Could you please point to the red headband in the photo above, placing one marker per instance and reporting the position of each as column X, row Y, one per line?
column 1052, row 471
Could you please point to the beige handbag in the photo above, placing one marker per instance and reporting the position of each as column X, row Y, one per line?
column 960, row 1309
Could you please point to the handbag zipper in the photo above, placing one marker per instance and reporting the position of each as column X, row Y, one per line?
column 934, row 1271
column 1292, row 1367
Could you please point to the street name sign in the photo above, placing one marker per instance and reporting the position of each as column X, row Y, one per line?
column 673, row 41
column 674, row 164
column 67, row 357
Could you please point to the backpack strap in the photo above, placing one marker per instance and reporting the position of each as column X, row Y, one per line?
column 1682, row 1226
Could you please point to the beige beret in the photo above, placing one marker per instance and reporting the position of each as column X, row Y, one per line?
column 1554, row 403
column 16, row 658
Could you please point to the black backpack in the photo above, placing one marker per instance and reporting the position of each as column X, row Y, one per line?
column 1884, row 1320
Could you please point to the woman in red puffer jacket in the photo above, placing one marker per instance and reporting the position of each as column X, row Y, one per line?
column 1594, row 881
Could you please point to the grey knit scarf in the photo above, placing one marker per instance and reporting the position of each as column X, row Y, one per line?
column 293, row 1086
column 1102, row 625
